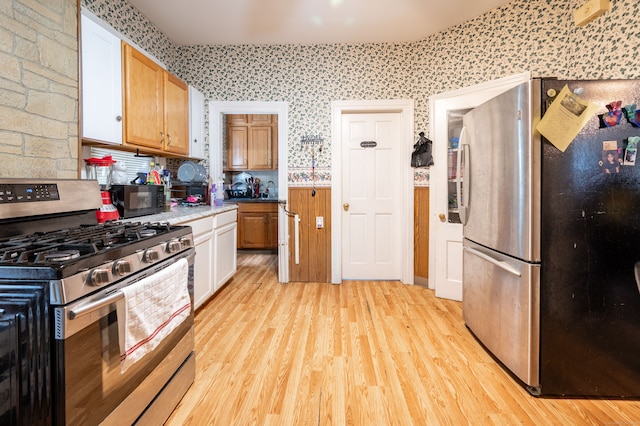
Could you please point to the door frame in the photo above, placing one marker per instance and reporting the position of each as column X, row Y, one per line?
column 463, row 98
column 405, row 107
column 217, row 111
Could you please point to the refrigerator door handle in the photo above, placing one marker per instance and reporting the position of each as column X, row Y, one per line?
column 500, row 264
column 463, row 180
column 636, row 273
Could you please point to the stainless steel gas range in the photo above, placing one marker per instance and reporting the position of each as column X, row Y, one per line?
column 62, row 278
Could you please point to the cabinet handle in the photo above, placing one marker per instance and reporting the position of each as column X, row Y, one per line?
column 169, row 139
column 118, row 118
column 162, row 134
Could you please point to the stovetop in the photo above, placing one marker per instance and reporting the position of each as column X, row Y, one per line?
column 67, row 251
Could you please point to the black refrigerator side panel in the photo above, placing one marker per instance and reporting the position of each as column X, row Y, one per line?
column 590, row 242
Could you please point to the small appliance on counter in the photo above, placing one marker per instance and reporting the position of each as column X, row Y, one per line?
column 138, row 200
column 100, row 169
column 184, row 190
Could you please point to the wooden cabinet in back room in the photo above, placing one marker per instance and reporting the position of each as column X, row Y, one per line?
column 257, row 225
column 252, row 142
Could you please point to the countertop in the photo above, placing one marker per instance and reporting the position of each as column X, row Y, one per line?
column 250, row 200
column 181, row 214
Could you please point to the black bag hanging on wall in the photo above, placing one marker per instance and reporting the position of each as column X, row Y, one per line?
column 421, row 156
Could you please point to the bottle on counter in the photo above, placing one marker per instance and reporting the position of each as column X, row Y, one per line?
column 167, row 189
column 212, row 195
column 219, row 194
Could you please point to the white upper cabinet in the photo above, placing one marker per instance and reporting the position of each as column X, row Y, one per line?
column 101, row 83
column 196, row 123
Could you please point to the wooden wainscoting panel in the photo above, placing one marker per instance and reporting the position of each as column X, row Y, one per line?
column 421, row 235
column 297, row 204
column 314, row 243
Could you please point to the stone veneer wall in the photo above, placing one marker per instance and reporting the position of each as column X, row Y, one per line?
column 38, row 88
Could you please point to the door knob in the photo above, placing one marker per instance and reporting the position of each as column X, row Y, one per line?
column 442, row 217
column 345, row 206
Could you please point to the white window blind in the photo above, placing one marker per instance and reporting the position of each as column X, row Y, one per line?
column 134, row 164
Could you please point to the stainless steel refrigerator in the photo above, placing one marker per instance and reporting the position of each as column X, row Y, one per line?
column 551, row 239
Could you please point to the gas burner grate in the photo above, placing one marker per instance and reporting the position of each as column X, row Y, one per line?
column 60, row 246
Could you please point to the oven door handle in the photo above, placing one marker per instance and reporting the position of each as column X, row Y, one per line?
column 94, row 306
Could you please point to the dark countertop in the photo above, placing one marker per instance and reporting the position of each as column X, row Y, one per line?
column 250, row 200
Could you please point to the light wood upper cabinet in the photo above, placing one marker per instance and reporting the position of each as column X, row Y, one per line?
column 259, row 119
column 240, row 119
column 252, row 142
column 143, row 99
column 176, row 115
column 259, row 145
column 274, row 145
column 237, row 145
column 156, row 105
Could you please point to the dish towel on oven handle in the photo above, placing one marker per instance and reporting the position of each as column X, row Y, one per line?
column 152, row 308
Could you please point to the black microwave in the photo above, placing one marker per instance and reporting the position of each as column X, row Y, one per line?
column 137, row 200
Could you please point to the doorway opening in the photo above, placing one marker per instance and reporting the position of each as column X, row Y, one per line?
column 217, row 113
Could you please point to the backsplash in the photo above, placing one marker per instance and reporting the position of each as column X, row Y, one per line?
column 525, row 35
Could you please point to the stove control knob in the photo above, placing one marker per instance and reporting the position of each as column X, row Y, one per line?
column 186, row 242
column 151, row 256
column 99, row 277
column 174, row 246
column 122, row 267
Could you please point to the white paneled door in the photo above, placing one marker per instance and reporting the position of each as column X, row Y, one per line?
column 371, row 171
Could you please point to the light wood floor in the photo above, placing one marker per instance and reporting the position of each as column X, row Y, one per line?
column 360, row 353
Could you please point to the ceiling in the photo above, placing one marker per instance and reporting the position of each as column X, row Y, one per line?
column 223, row 22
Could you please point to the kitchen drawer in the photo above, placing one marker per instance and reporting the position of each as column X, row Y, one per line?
column 225, row 218
column 259, row 206
column 200, row 226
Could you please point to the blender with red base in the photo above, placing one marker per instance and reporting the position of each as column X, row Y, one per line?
column 100, row 170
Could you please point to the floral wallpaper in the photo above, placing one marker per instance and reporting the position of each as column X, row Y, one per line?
column 525, row 35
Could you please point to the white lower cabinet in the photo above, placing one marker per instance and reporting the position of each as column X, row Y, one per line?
column 202, row 230
column 225, row 247
column 215, row 240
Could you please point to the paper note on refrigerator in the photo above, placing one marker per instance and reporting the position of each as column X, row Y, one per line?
column 564, row 119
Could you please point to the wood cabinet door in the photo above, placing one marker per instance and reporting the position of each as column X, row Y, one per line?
column 176, row 115
column 274, row 144
column 252, row 231
column 260, row 147
column 237, row 119
column 272, row 230
column 143, row 100
column 259, row 119
column 237, row 140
